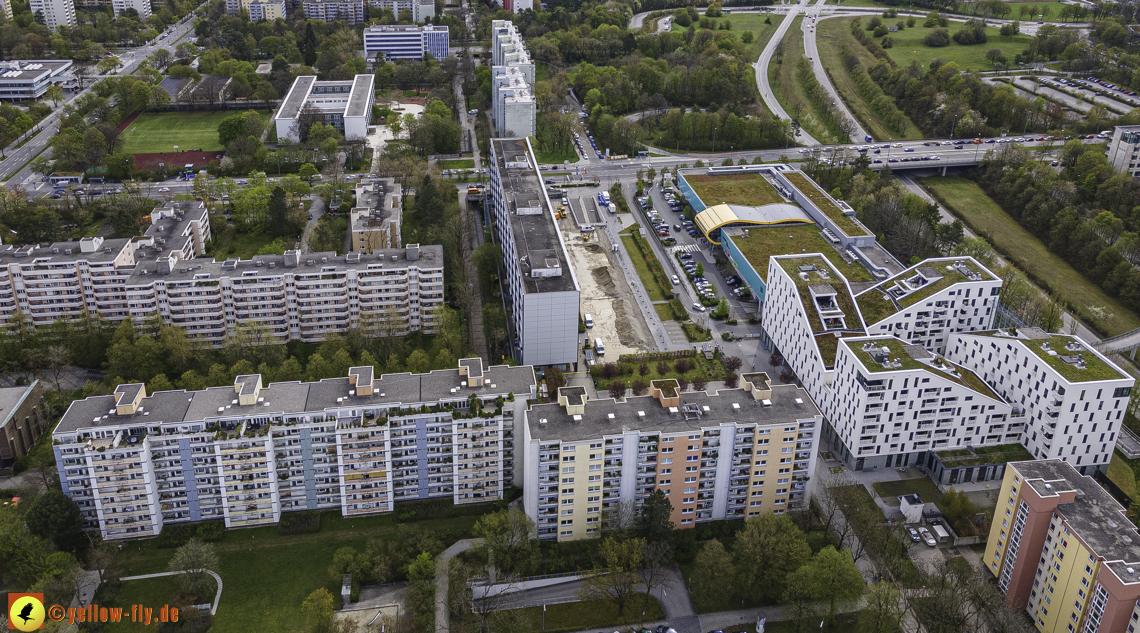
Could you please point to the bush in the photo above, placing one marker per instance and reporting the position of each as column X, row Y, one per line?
column 1009, row 28
column 937, row 38
column 888, row 42
column 874, row 23
column 880, row 30
column 972, row 32
column 211, row 532
column 299, row 523
column 910, row 22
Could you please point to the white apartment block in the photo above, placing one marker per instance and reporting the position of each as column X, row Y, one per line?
column 7, row 7
column 55, row 13
column 1124, row 149
column 734, row 454
column 421, row 9
column 135, row 462
column 345, row 105
column 1073, row 397
column 142, row 6
column 267, row 11
column 513, row 106
column 350, row 11
column 542, row 293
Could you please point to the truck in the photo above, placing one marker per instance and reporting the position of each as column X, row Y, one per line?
column 940, row 533
column 589, row 320
column 605, row 197
column 612, row 207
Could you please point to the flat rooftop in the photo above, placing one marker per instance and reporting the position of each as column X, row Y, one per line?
column 758, row 244
column 917, row 283
column 815, row 270
column 361, row 96
column 748, row 189
column 376, row 204
column 821, row 199
column 10, row 399
column 180, row 406
column 536, row 235
column 879, row 354
column 1071, row 357
column 58, row 252
column 27, row 70
column 175, row 227
column 296, row 97
column 1097, row 518
column 698, row 410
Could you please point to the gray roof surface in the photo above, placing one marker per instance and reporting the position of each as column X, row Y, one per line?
column 115, row 246
column 597, row 423
column 10, row 399
column 295, row 99
column 24, row 70
column 295, row 397
column 361, row 93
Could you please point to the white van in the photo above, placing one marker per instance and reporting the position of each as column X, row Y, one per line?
column 599, row 348
column 589, row 321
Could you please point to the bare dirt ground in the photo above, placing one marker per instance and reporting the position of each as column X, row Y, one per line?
column 605, row 294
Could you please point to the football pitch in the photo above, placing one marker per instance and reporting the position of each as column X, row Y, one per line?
column 152, row 133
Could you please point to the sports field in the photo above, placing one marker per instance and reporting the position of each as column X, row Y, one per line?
column 160, row 132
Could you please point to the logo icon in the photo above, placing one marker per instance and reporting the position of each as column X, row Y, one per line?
column 25, row 611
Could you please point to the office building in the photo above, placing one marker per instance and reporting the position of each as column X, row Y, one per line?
column 24, row 416
column 421, row 10
column 55, row 13
column 375, row 220
column 345, row 105
column 350, row 11
column 1064, row 550
column 267, row 11
column 25, row 80
column 1124, row 149
column 392, row 42
column 542, row 295
column 135, row 462
column 513, row 106
column 142, row 6
column 734, row 454
column 1073, row 397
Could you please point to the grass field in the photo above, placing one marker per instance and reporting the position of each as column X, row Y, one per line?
column 1120, row 473
column 967, row 201
column 832, row 35
column 764, row 242
column 746, row 22
column 160, row 132
column 890, row 491
column 575, row 616
column 266, row 575
column 460, row 163
column 909, row 47
column 641, row 265
column 743, row 189
column 553, row 157
column 1015, row 7
column 788, row 90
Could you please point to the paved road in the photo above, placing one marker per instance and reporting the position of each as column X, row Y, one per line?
column 812, row 50
column 131, row 58
column 316, row 210
column 761, row 68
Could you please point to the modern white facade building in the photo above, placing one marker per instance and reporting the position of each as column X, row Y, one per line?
column 142, row 6
column 513, row 106
column 421, row 9
column 542, row 295
column 1124, row 149
column 732, row 455
column 391, row 42
column 23, row 80
column 135, row 462
column 345, row 105
column 55, row 13
column 1073, row 397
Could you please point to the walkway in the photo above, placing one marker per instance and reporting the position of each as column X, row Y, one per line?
column 217, row 596
column 442, row 613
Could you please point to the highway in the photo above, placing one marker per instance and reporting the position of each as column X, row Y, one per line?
column 761, row 68
column 811, row 49
column 16, row 159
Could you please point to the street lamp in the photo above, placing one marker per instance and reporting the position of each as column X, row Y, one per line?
column 714, row 139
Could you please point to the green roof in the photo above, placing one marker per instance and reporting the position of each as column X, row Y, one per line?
column 1095, row 368
column 843, row 299
column 807, row 187
column 875, row 308
column 765, row 242
column 999, row 454
column 748, row 189
column 940, row 367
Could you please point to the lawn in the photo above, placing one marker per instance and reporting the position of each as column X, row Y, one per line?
column 159, row 132
column 664, row 312
column 231, row 243
column 743, row 189
column 552, row 156
column 990, row 221
column 267, row 575
column 699, row 366
column 152, row 593
column 909, row 47
column 868, row 500
column 788, row 90
column 764, row 242
column 746, row 22
column 890, row 491
column 832, row 36
column 575, row 616
column 1120, row 473
column 641, row 265
column 461, row 163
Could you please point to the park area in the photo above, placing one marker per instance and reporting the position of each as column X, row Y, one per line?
column 968, row 202
column 160, row 132
column 909, row 47
column 743, row 22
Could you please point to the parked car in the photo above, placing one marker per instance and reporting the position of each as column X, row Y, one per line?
column 913, row 534
column 927, row 537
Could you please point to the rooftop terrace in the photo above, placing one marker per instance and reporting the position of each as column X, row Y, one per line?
column 761, row 243
column 749, row 189
column 916, row 284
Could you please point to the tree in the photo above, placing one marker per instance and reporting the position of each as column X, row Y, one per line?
column 712, row 578
column 831, row 576
column 617, row 389
column 653, row 520
column 195, row 558
column 277, row 213
column 318, row 609
column 56, row 518
column 554, row 381
column 54, row 94
column 768, row 550
column 883, row 612
column 614, row 577
column 510, row 538
column 419, row 597
column 307, row 172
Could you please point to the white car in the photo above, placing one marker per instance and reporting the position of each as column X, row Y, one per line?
column 164, row 190
column 927, row 537
column 898, row 144
column 698, row 307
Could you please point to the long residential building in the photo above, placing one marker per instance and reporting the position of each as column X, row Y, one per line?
column 55, row 13
column 392, row 42
column 908, row 373
column 513, row 105
column 135, row 462
column 345, row 105
column 421, row 10
column 730, row 455
column 290, row 296
column 350, row 11
column 542, row 295
column 141, row 6
column 1064, row 550
column 24, row 416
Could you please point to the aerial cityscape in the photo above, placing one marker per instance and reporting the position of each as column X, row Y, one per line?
column 600, row 316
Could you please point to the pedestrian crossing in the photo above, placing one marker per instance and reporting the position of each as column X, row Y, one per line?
column 685, row 248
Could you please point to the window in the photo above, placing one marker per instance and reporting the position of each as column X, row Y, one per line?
column 664, row 482
column 690, row 480
column 595, row 467
column 567, row 458
column 690, row 490
column 567, row 480
column 667, row 461
column 693, row 458
column 569, row 470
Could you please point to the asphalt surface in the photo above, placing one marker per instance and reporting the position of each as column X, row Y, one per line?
column 812, row 50
column 761, row 68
